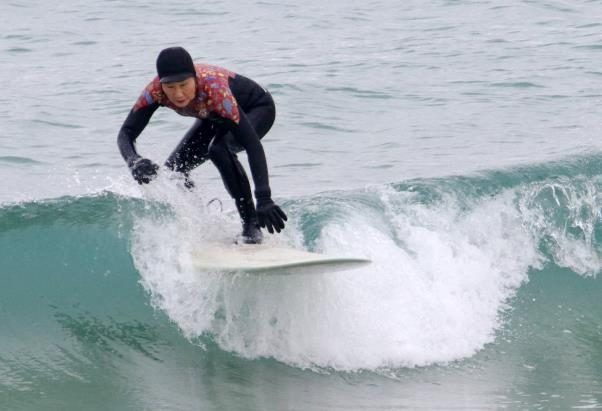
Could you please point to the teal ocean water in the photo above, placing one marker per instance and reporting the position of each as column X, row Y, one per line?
column 454, row 143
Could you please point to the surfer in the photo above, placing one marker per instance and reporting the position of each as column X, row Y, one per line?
column 232, row 114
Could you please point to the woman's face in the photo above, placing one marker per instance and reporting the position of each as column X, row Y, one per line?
column 180, row 93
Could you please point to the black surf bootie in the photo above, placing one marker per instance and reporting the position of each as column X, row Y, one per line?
column 251, row 233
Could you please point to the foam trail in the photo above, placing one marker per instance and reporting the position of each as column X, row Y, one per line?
column 565, row 214
column 440, row 278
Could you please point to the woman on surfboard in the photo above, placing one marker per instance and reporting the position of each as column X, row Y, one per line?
column 232, row 114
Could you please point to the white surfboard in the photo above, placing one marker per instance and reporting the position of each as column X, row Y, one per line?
column 265, row 259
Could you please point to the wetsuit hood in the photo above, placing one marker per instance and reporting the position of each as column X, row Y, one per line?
column 174, row 64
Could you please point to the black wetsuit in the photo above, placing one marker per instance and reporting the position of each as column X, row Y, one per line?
column 218, row 139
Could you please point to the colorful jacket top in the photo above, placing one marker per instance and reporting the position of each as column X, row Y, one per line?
column 213, row 95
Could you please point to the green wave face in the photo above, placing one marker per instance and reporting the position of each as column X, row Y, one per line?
column 98, row 305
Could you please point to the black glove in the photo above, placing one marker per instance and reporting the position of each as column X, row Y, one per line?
column 270, row 215
column 144, row 170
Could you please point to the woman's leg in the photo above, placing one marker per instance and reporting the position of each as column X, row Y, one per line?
column 237, row 184
column 222, row 152
column 193, row 149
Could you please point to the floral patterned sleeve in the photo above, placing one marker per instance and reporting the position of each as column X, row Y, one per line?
column 152, row 94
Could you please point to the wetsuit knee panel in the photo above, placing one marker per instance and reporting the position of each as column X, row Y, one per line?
column 218, row 150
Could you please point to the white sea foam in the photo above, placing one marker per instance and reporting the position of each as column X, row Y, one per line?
column 564, row 214
column 440, row 277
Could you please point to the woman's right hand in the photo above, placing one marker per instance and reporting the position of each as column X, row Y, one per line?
column 144, row 170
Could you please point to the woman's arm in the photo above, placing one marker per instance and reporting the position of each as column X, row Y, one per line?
column 247, row 137
column 133, row 125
